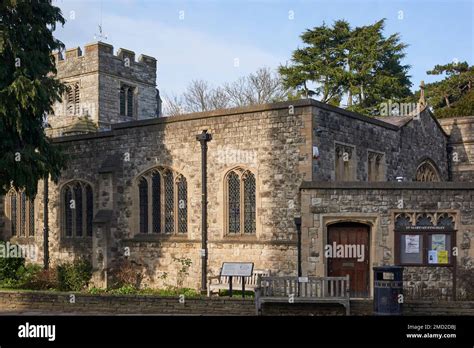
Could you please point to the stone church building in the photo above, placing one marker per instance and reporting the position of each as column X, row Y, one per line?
column 398, row 189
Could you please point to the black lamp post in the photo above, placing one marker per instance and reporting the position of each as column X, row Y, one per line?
column 204, row 138
column 298, row 233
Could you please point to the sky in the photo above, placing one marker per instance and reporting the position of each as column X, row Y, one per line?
column 220, row 41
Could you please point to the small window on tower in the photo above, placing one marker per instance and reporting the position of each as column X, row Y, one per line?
column 127, row 100
column 72, row 99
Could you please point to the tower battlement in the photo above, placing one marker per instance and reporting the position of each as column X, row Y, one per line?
column 106, row 87
column 99, row 48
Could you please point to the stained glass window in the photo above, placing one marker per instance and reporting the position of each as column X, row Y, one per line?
column 78, row 208
column 156, row 209
column 182, row 205
column 234, row 202
column 143, row 192
column 90, row 209
column 130, row 102
column 169, row 202
column 22, row 213
column 427, row 172
column 31, row 217
column 68, row 211
column 13, row 214
column 122, row 101
column 249, row 203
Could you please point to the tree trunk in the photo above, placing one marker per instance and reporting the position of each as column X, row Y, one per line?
column 305, row 90
column 446, row 99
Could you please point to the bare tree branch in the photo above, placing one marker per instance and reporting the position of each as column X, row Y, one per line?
column 261, row 87
column 172, row 105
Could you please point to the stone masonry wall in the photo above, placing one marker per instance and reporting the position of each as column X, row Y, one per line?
column 48, row 302
column 375, row 204
column 420, row 139
column 404, row 148
column 266, row 139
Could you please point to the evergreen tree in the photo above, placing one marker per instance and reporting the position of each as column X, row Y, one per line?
column 359, row 64
column 453, row 95
column 27, row 91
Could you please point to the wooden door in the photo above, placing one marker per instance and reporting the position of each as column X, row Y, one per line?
column 353, row 238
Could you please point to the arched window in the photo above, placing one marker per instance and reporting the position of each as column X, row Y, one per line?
column 78, row 209
column 426, row 171
column 162, row 202
column 127, row 100
column 123, row 107
column 20, row 214
column 240, row 202
column 130, row 102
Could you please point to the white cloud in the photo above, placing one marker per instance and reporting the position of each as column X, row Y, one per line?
column 183, row 53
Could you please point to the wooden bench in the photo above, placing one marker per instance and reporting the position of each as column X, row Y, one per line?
column 311, row 290
column 219, row 282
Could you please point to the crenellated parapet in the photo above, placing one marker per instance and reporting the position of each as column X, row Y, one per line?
column 99, row 56
column 106, row 86
column 96, row 49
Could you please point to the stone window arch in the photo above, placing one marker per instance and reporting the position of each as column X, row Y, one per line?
column 77, row 203
column 162, row 202
column 240, row 202
column 20, row 214
column 427, row 172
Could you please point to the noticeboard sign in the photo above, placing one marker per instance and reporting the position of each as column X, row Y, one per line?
column 237, row 269
column 423, row 229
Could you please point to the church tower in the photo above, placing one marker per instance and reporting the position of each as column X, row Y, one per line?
column 103, row 89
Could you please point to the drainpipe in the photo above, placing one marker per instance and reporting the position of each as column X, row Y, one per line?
column 45, row 226
column 204, row 138
column 298, row 233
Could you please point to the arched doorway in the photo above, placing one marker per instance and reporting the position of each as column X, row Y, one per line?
column 347, row 253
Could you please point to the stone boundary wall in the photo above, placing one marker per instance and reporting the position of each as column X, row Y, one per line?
column 442, row 308
column 45, row 302
column 53, row 302
column 392, row 185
